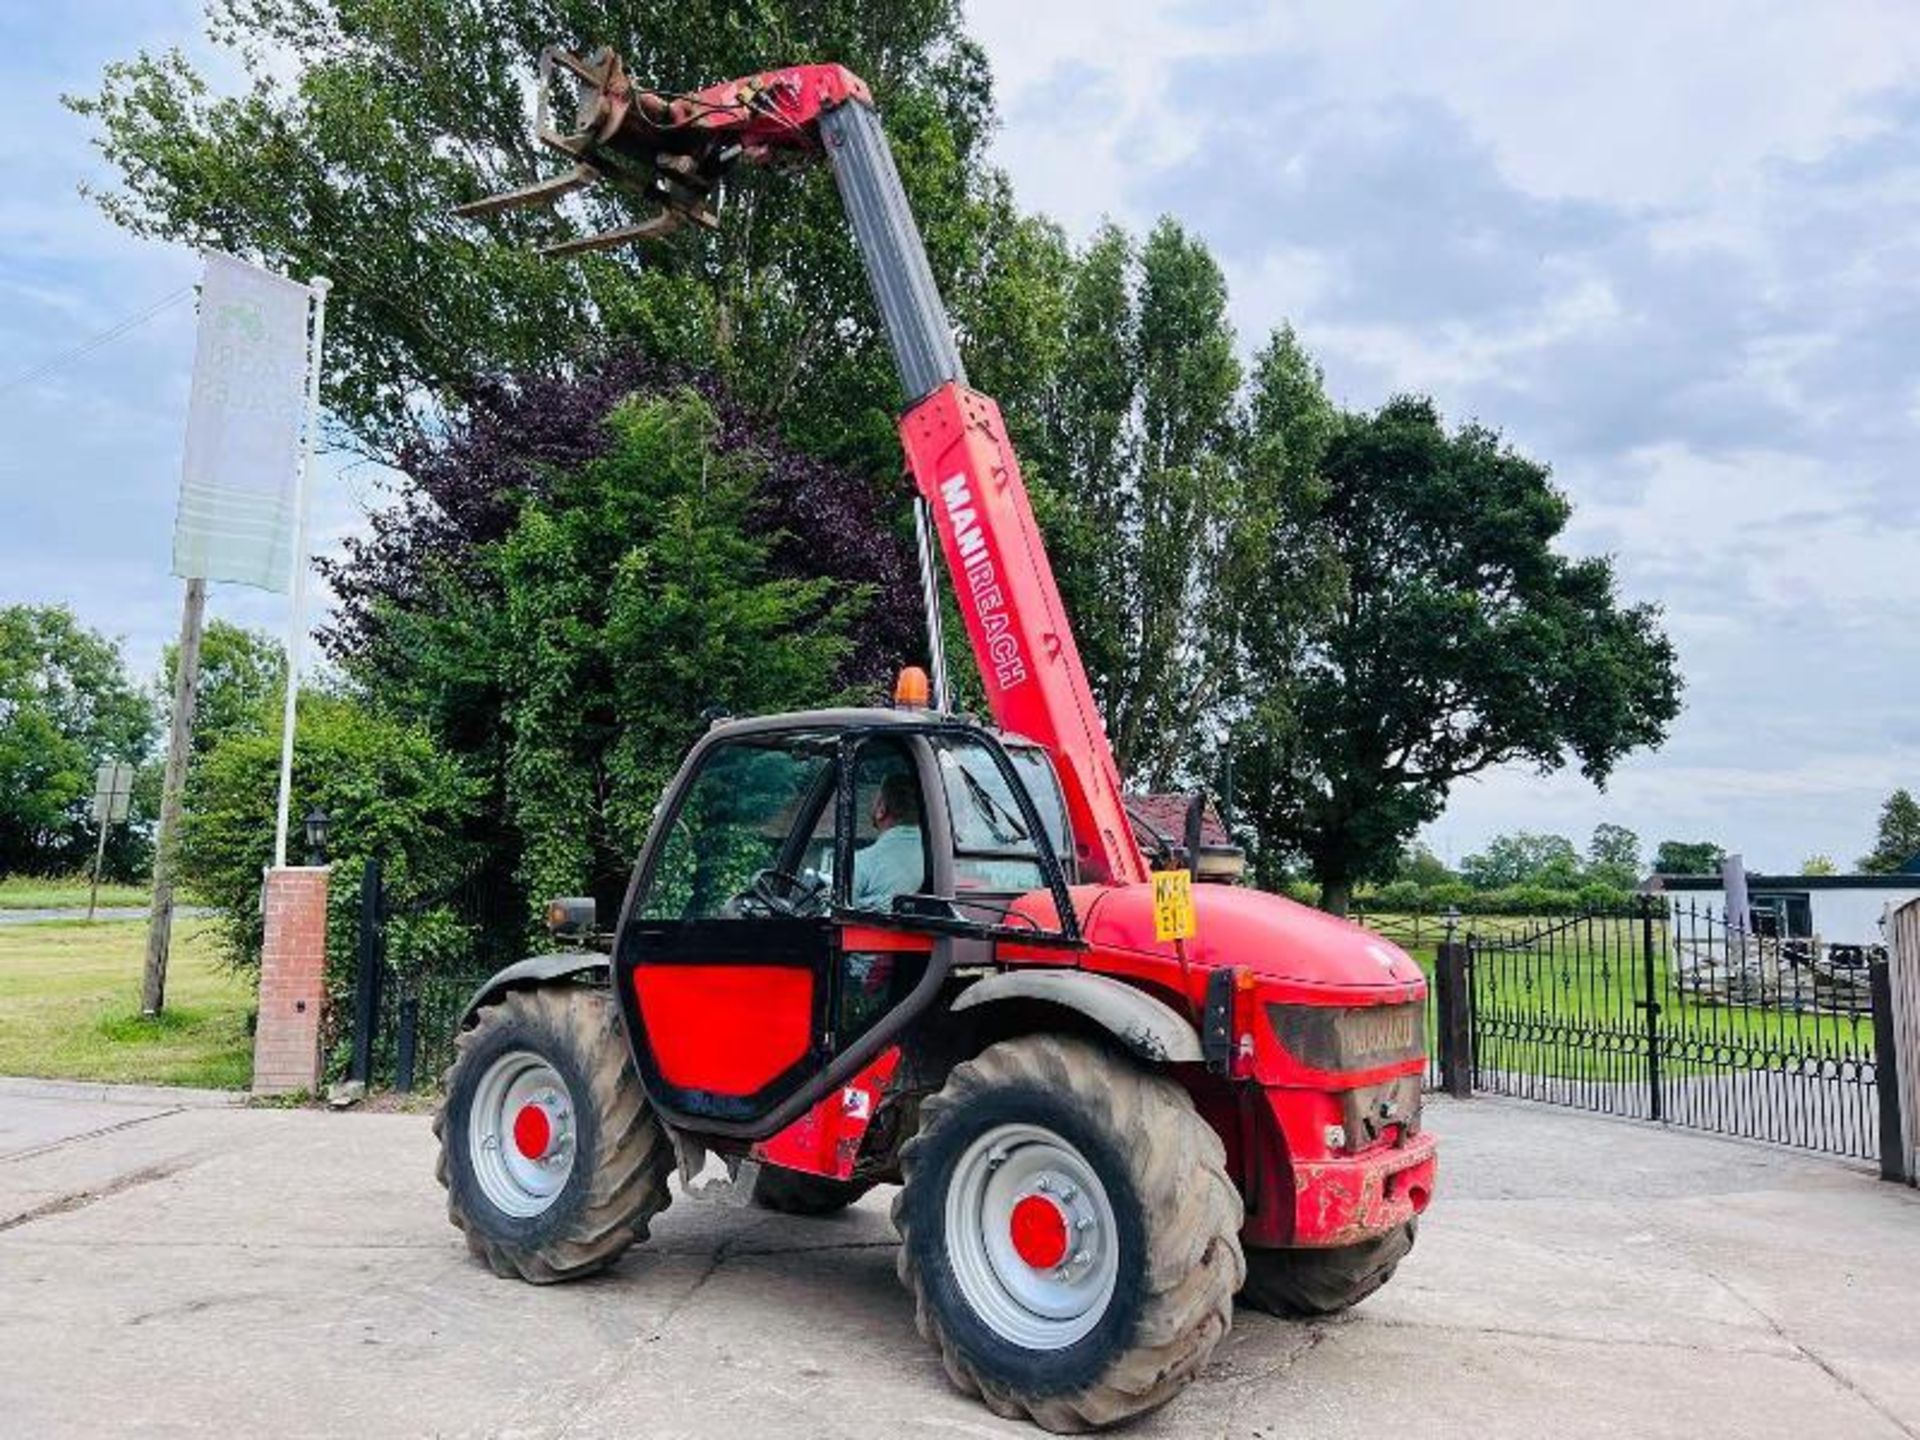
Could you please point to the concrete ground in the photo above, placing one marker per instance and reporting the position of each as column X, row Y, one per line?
column 172, row 1268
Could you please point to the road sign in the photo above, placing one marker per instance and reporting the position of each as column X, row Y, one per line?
column 112, row 792
column 112, row 798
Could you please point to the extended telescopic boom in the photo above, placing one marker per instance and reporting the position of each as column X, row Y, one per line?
column 676, row 149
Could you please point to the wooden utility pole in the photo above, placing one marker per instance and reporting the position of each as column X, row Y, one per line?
column 186, row 681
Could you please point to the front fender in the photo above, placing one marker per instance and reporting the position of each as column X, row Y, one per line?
column 1150, row 1028
column 534, row 971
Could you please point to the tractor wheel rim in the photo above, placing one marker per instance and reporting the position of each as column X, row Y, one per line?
column 521, row 1134
column 1014, row 1192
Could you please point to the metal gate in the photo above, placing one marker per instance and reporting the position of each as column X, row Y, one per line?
column 1666, row 1013
column 404, row 1020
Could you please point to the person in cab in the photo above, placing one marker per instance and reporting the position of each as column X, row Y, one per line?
column 895, row 863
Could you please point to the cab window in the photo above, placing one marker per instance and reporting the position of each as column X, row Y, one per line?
column 729, row 839
column 993, row 849
column 889, row 827
column 889, row 849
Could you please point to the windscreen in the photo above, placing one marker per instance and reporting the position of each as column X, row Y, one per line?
column 993, row 849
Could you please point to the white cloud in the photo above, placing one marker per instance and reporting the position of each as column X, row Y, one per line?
column 1668, row 248
column 1642, row 103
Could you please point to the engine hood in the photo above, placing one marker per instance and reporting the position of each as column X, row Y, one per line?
column 1267, row 934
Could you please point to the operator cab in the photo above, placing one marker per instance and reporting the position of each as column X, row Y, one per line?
column 809, row 883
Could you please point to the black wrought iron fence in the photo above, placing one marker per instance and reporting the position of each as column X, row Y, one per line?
column 406, row 1015
column 1667, row 1013
column 1558, row 1013
column 1768, row 1036
column 425, row 1023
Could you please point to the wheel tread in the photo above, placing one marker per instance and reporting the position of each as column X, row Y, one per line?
column 634, row 1154
column 1306, row 1283
column 1195, row 1262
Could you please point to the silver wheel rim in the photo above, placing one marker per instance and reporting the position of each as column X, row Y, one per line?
column 517, row 1178
column 1037, row 1307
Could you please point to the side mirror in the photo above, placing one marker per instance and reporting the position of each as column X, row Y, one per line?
column 1196, row 816
column 571, row 917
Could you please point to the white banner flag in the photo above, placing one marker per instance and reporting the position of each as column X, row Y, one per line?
column 238, row 514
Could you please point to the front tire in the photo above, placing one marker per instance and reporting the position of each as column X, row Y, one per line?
column 1306, row 1283
column 1068, row 1232
column 553, row 1161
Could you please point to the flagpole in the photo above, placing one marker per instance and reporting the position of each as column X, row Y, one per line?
column 296, row 621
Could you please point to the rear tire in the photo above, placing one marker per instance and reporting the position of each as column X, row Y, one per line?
column 792, row 1193
column 1107, row 1303
column 574, row 1209
column 1304, row 1283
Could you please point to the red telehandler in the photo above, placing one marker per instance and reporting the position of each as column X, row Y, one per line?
column 897, row 945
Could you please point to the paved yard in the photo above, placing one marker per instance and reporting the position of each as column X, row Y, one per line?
column 205, row 1270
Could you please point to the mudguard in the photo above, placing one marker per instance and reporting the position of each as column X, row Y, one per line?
column 1149, row 1028
column 534, row 971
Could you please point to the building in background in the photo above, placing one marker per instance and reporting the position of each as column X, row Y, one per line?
column 1805, row 943
column 1221, row 861
column 1835, row 909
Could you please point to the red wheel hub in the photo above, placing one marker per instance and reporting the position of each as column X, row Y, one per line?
column 1039, row 1229
column 532, row 1132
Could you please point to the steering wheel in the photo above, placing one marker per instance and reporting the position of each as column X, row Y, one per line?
column 782, row 892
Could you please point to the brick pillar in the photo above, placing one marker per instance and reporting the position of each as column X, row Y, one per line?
column 293, row 968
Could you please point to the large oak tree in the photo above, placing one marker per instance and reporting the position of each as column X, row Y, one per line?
column 1464, row 638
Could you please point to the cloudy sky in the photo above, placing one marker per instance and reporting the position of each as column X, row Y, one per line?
column 1670, row 248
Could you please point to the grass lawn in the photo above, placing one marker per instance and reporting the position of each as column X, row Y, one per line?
column 55, row 892
column 70, row 1007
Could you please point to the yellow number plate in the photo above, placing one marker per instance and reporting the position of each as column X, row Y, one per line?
column 1173, row 905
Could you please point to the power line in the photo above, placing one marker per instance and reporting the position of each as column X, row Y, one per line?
column 93, row 343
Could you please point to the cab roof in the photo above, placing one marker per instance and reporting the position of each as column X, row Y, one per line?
column 854, row 717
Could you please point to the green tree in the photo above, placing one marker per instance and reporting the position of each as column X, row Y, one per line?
column 1819, row 865
column 388, row 789
column 643, row 586
column 1897, row 838
column 1523, row 858
column 242, row 679
column 1464, row 640
column 1688, row 857
column 572, row 659
column 1613, row 856
column 1419, row 866
column 1175, row 502
column 1280, row 585
column 1140, row 449
column 399, row 110
column 66, row 706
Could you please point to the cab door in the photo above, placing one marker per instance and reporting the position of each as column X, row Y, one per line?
column 724, row 955
column 800, row 903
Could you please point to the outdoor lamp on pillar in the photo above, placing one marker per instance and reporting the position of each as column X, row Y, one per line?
column 318, row 824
